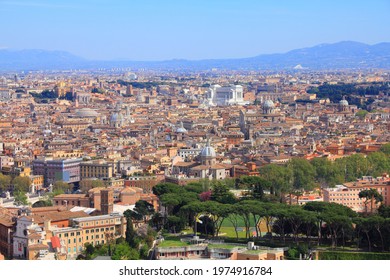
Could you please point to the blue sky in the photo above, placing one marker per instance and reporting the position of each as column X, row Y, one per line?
column 191, row 29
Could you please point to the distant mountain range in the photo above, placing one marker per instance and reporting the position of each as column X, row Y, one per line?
column 342, row 55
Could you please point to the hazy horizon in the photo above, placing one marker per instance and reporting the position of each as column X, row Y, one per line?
column 193, row 30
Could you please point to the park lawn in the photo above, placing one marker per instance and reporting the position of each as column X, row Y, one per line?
column 227, row 223
column 229, row 232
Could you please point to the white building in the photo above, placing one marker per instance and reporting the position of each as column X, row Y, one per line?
column 28, row 236
column 226, row 95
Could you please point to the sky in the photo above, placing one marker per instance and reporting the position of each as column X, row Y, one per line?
column 188, row 29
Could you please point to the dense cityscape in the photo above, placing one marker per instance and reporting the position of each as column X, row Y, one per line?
column 194, row 139
column 215, row 164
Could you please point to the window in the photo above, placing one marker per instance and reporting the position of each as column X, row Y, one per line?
column 78, row 233
column 87, row 231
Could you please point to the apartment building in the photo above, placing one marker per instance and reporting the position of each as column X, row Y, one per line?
column 96, row 169
column 348, row 193
column 67, row 170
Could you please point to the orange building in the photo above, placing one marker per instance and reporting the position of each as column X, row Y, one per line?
column 94, row 198
column 250, row 169
column 335, row 149
column 234, row 138
column 70, row 200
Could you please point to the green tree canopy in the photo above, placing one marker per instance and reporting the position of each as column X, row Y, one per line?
column 302, row 174
column 221, row 193
column 144, row 209
column 21, row 184
column 256, row 185
column 5, row 181
column 361, row 114
column 20, row 198
column 378, row 164
column 327, row 173
column 164, row 188
column 60, row 187
column 123, row 251
column 385, row 149
column 279, row 177
column 87, row 184
column 372, row 196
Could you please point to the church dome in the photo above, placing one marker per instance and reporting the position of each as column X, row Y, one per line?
column 86, row 113
column 269, row 104
column 208, row 151
column 181, row 129
column 343, row 102
column 114, row 118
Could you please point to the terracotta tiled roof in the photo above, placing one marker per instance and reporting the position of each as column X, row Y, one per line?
column 217, row 166
column 38, row 247
column 34, row 236
column 40, row 218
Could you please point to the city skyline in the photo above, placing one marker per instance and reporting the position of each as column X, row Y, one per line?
column 193, row 30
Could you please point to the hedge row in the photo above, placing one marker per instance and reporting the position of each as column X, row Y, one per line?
column 353, row 256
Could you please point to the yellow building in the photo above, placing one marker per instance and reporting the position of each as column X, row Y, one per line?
column 96, row 169
column 94, row 230
column 64, row 153
column 36, row 182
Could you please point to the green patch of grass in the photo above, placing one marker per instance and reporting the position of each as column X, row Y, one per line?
column 230, row 232
column 172, row 241
column 341, row 255
column 224, row 246
column 227, row 223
